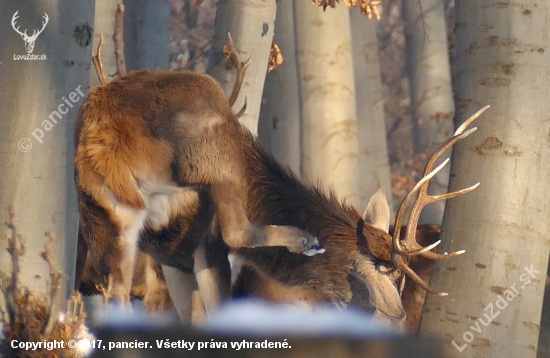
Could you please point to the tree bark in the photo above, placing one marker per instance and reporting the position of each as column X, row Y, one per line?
column 502, row 60
column 37, row 151
column 251, row 24
column 327, row 95
column 430, row 87
column 279, row 124
column 371, row 126
column 147, row 34
column 544, row 337
column 104, row 24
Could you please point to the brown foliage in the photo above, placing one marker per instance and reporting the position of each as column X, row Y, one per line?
column 368, row 7
column 31, row 317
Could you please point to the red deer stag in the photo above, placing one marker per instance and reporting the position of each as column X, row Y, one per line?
column 357, row 247
column 159, row 163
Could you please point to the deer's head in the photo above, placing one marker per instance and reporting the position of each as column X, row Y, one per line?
column 392, row 253
column 29, row 40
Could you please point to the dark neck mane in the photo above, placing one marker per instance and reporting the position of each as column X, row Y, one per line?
column 276, row 196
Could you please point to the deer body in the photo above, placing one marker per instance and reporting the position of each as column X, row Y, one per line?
column 162, row 160
column 157, row 151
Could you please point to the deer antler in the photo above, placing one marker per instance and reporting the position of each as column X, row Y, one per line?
column 231, row 52
column 98, row 63
column 408, row 247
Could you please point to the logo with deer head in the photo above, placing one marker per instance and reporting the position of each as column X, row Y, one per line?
column 29, row 40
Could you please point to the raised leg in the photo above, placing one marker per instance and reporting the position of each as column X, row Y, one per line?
column 210, row 153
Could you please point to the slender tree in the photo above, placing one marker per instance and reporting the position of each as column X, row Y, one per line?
column 39, row 103
column 496, row 288
column 104, row 24
column 544, row 337
column 327, row 95
column 146, row 34
column 279, row 127
column 373, row 149
column 430, row 87
column 251, row 24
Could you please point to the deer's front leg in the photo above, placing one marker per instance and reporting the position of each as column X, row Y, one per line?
column 237, row 231
column 181, row 286
column 212, row 272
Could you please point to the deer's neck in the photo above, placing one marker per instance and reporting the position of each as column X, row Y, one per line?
column 276, row 196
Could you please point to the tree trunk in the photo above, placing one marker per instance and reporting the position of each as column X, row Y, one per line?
column 279, row 125
column 371, row 126
column 36, row 131
column 251, row 24
column 502, row 60
column 544, row 337
column 147, row 34
column 430, row 87
column 327, row 95
column 104, row 24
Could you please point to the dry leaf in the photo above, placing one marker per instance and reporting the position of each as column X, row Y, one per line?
column 275, row 57
column 368, row 7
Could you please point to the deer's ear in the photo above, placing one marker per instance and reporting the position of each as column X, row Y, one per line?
column 377, row 212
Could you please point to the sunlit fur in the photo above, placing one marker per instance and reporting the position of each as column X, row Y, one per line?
column 159, row 164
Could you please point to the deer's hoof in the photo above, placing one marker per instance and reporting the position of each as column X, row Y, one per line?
column 314, row 251
column 314, row 247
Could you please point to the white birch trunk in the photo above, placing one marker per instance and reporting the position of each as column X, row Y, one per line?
column 502, row 60
column 371, row 126
column 279, row 125
column 327, row 94
column 104, row 24
column 431, row 88
column 147, row 34
column 36, row 132
column 251, row 24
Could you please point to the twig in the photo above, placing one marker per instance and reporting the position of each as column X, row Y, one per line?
column 119, row 40
column 10, row 289
column 55, row 276
column 98, row 63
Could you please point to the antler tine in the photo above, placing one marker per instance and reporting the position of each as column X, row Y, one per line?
column 403, row 207
column 408, row 247
column 413, row 276
column 98, row 63
column 469, row 121
column 241, row 70
column 243, row 109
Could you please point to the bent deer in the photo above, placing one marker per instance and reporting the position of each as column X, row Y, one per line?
column 159, row 164
column 362, row 264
